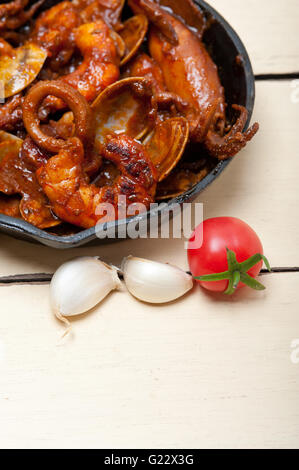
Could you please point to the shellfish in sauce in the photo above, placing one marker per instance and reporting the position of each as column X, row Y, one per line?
column 100, row 104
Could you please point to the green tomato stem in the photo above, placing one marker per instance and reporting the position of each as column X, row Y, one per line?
column 237, row 272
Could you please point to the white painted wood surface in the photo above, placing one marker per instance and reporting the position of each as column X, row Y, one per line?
column 269, row 30
column 202, row 372
column 205, row 371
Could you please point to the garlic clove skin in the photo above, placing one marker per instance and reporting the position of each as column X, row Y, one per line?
column 154, row 282
column 80, row 284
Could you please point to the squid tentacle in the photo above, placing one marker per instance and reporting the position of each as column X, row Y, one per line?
column 223, row 147
column 72, row 98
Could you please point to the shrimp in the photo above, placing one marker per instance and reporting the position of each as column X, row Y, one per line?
column 75, row 200
column 11, row 114
column 100, row 66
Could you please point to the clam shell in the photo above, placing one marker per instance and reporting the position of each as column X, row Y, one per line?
column 126, row 107
column 166, row 144
column 17, row 72
column 133, row 33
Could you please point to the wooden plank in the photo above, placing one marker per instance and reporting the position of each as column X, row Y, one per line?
column 260, row 186
column 205, row 371
column 269, row 31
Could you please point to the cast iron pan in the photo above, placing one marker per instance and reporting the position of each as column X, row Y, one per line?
column 237, row 77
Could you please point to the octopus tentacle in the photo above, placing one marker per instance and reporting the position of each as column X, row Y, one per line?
column 11, row 114
column 229, row 145
column 73, row 99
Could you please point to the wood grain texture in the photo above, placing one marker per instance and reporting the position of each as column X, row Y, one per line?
column 202, row 372
column 269, row 30
column 260, row 186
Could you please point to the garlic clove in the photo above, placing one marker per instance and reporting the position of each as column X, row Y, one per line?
column 79, row 285
column 154, row 282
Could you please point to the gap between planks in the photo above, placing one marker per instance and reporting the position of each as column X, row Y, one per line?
column 45, row 278
column 277, row 76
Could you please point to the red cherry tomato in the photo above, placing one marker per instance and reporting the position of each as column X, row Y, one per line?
column 220, row 234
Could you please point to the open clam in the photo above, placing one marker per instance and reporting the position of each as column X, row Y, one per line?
column 10, row 145
column 20, row 69
column 133, row 33
column 166, row 144
column 120, row 43
column 180, row 181
column 18, row 178
column 126, row 107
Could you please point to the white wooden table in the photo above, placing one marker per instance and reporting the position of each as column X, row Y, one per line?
column 205, row 371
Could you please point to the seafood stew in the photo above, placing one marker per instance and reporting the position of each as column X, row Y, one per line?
column 105, row 109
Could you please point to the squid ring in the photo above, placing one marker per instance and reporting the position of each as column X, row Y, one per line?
column 72, row 98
